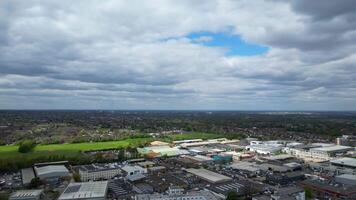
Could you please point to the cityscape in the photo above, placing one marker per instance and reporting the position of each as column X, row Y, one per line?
column 189, row 155
column 177, row 99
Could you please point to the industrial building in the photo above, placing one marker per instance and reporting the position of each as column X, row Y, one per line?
column 51, row 172
column 347, row 179
column 331, row 151
column 26, row 195
column 245, row 168
column 208, row 175
column 331, row 188
column 95, row 172
column 134, row 173
column 87, row 190
column 289, row 193
column 158, row 151
column 178, row 194
column 344, row 162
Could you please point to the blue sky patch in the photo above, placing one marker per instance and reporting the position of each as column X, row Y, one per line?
column 234, row 43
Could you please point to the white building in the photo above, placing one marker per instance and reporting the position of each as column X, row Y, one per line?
column 26, row 195
column 318, row 154
column 133, row 169
column 134, row 173
column 178, row 194
column 96, row 172
column 51, row 171
column 87, row 190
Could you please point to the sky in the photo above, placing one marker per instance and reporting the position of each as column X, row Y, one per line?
column 178, row 55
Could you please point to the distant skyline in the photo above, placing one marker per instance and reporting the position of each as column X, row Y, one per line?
column 269, row 55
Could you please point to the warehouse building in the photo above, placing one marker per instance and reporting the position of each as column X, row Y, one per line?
column 246, row 168
column 344, row 162
column 331, row 151
column 347, row 179
column 208, row 175
column 26, row 195
column 87, row 190
column 51, row 172
column 178, row 194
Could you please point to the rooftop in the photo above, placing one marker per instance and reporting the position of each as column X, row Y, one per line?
column 85, row 190
column 97, row 167
column 332, row 148
column 208, row 175
column 351, row 162
column 51, row 169
column 24, row 194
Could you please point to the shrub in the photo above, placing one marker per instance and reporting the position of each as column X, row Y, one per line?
column 26, row 146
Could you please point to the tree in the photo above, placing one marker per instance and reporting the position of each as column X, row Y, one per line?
column 26, row 146
column 76, row 177
column 35, row 182
column 232, row 195
column 308, row 193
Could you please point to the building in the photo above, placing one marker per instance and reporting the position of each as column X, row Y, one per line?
column 347, row 179
column 26, row 195
column 289, row 193
column 317, row 153
column 146, row 164
column 348, row 140
column 158, row 151
column 264, row 148
column 285, row 178
column 134, row 173
column 246, row 168
column 96, row 172
column 27, row 175
column 87, row 190
column 344, row 162
column 178, row 194
column 330, row 189
column 51, row 172
column 199, row 159
column 208, row 175
column 223, row 189
column 331, row 151
column 267, row 167
column 159, row 143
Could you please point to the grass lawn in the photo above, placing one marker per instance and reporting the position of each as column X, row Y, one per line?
column 10, row 152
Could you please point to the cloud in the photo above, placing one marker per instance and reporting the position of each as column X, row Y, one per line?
column 136, row 54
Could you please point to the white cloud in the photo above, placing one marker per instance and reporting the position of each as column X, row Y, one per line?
column 134, row 54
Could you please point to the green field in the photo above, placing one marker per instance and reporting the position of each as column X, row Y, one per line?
column 10, row 151
column 73, row 149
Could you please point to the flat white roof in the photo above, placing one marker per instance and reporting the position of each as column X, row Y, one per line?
column 208, row 175
column 23, row 194
column 332, row 148
column 351, row 162
column 86, row 190
column 129, row 168
column 51, row 169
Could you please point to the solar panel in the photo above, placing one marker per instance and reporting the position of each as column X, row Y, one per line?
column 71, row 189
